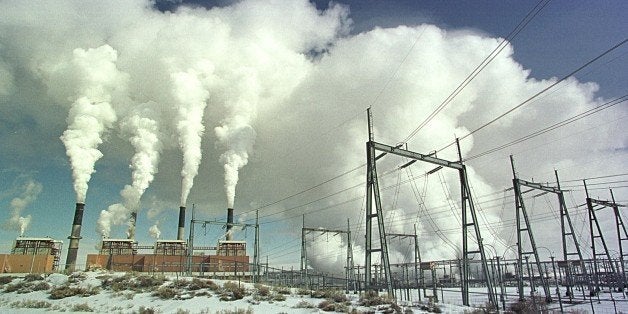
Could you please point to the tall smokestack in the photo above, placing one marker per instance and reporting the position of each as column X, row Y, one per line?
column 181, row 223
column 75, row 236
column 229, row 236
column 133, row 223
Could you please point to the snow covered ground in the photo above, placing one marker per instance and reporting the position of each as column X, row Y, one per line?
column 102, row 292
column 107, row 292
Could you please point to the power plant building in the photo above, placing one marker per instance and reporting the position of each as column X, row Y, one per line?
column 169, row 256
column 32, row 255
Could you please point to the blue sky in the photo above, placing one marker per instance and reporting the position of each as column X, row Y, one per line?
column 565, row 35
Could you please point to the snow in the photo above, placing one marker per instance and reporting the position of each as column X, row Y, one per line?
column 204, row 300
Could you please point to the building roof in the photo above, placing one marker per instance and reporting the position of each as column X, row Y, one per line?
column 35, row 239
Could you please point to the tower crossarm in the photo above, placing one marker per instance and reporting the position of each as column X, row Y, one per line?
column 538, row 186
column 606, row 203
column 418, row 156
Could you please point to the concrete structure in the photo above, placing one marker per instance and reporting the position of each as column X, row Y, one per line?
column 32, row 255
column 169, row 256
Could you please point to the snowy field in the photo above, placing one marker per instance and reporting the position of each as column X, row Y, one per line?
column 106, row 292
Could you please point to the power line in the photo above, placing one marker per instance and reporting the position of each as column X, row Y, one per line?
column 554, row 126
column 537, row 94
column 488, row 59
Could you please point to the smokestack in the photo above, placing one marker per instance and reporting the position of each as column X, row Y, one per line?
column 131, row 233
column 181, row 223
column 229, row 236
column 75, row 236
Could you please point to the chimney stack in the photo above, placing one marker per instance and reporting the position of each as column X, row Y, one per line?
column 229, row 236
column 75, row 236
column 133, row 223
column 181, row 223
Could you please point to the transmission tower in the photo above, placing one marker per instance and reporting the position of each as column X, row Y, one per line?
column 521, row 211
column 349, row 268
column 596, row 234
column 469, row 217
column 417, row 255
column 567, row 232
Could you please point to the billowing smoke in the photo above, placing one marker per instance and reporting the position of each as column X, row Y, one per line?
column 154, row 231
column 142, row 129
column 30, row 191
column 191, row 99
column 283, row 89
column 237, row 135
column 91, row 113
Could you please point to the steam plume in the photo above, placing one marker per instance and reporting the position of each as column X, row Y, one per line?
column 91, row 113
column 154, row 231
column 31, row 190
column 143, row 132
column 191, row 100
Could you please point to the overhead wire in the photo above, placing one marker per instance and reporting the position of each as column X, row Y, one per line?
column 487, row 60
column 533, row 97
column 552, row 127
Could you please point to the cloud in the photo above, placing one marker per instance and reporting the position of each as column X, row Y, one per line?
column 282, row 90
column 30, row 191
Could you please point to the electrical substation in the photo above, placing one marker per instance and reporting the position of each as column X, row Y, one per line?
column 475, row 275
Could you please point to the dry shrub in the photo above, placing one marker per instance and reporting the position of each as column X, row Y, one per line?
column 198, row 284
column 262, row 290
column 83, row 307
column 6, row 279
column 146, row 310
column 231, row 291
column 327, row 306
column 283, row 290
column 530, row 306
column 67, row 291
column 33, row 277
column 165, row 293
column 236, row 311
column 31, row 304
column 372, row 298
column 304, row 305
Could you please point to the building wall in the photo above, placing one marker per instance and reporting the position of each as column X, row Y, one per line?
column 167, row 263
column 19, row 263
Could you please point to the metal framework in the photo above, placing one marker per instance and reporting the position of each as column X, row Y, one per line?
column 204, row 223
column 594, row 205
column 521, row 211
column 469, row 217
column 349, row 268
column 567, row 230
column 417, row 256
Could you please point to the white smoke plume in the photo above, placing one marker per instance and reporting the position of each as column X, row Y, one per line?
column 283, row 88
column 142, row 129
column 92, row 112
column 191, row 100
column 30, row 191
column 154, row 231
column 239, row 140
